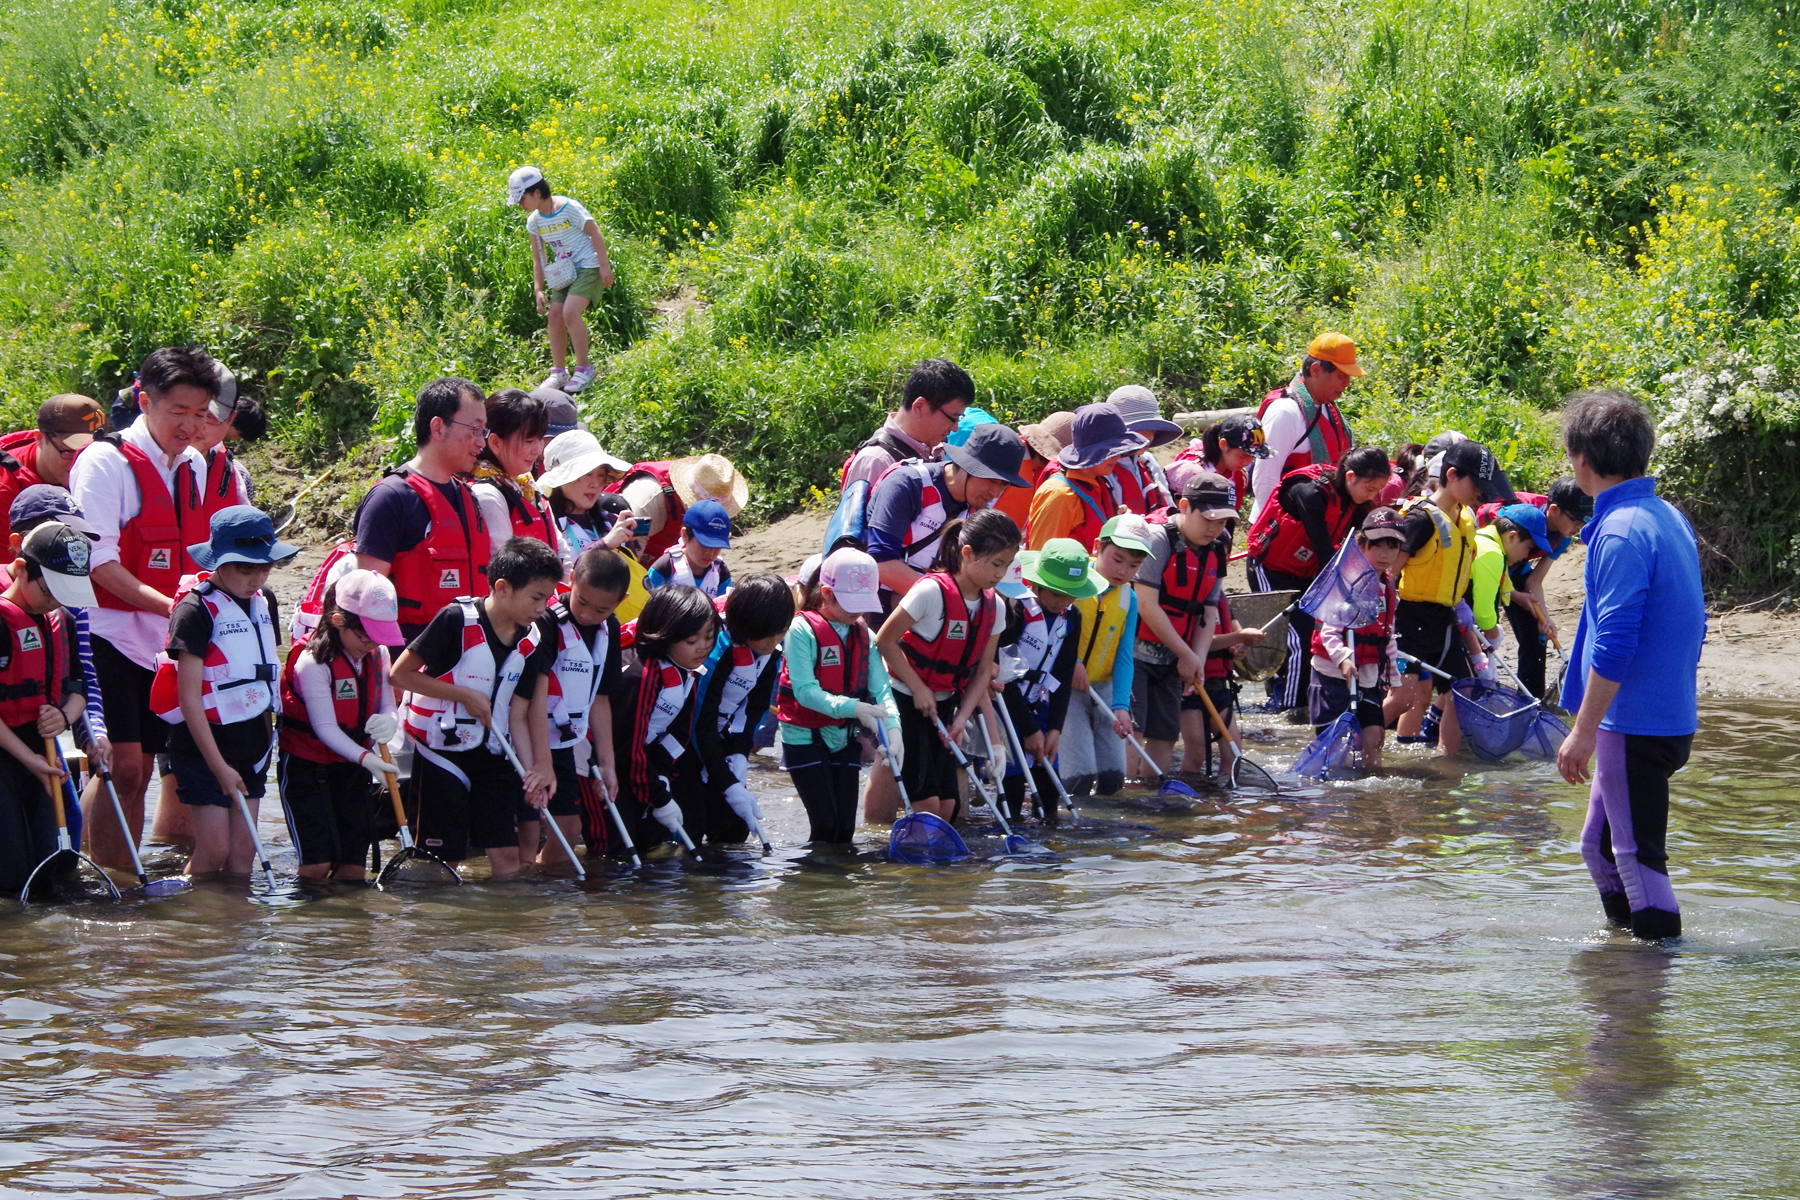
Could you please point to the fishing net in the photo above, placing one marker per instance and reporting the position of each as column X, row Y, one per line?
column 923, row 838
column 1264, row 611
column 413, row 867
column 1348, row 592
column 1495, row 720
column 68, row 878
column 1545, row 737
column 1337, row 751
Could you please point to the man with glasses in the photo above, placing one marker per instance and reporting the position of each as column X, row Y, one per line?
column 421, row 526
column 937, row 393
column 65, row 425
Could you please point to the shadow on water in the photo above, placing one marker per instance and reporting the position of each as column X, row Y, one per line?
column 1397, row 986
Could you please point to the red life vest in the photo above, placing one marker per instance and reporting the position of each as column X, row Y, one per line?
column 224, row 489
column 841, row 665
column 947, row 661
column 153, row 545
column 31, row 673
column 1330, row 424
column 1138, row 488
column 673, row 508
column 340, row 560
column 1219, row 662
column 18, row 471
column 353, row 693
column 1188, row 578
column 530, row 518
column 1484, row 516
column 1371, row 639
column 444, row 566
column 1278, row 540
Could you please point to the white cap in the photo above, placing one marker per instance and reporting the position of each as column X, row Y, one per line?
column 854, row 580
column 519, row 180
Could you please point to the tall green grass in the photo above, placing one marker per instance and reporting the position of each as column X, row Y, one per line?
column 1502, row 200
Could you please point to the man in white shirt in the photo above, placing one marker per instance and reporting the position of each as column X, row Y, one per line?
column 140, row 489
column 1301, row 422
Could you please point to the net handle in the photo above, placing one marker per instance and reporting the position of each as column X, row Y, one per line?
column 393, row 787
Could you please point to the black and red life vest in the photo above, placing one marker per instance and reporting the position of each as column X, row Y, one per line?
column 1278, row 539
column 224, row 488
column 673, row 508
column 444, row 565
column 946, row 662
column 355, row 687
column 33, row 664
column 1371, row 639
column 1188, row 578
column 840, row 664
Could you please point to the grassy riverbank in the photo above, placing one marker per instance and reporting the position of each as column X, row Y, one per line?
column 1502, row 201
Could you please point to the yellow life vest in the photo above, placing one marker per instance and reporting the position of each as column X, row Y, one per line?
column 637, row 592
column 1102, row 626
column 1439, row 572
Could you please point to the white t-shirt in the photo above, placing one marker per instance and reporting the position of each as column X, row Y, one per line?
column 561, row 233
column 924, row 603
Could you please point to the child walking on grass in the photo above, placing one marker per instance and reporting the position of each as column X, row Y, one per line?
column 569, row 268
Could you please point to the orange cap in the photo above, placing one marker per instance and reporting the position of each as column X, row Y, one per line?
column 1338, row 350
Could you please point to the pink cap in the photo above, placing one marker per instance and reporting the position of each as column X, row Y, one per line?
column 854, row 580
column 371, row 598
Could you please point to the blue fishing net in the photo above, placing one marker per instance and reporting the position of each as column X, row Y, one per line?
column 1337, row 751
column 1495, row 720
column 1545, row 737
column 1348, row 591
column 922, row 838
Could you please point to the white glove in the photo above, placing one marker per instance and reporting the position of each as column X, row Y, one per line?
column 382, row 726
column 379, row 767
column 739, row 766
column 1484, row 669
column 743, row 803
column 1492, row 637
column 670, row 816
column 871, row 716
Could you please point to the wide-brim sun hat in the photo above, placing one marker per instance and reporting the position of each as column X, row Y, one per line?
column 1048, row 436
column 709, row 477
column 1097, row 434
column 571, row 455
column 241, row 534
column 1137, row 404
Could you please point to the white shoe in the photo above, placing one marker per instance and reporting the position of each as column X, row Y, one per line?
column 558, row 379
column 580, row 379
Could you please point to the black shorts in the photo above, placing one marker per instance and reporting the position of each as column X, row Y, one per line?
column 196, row 785
column 1223, row 697
column 566, row 802
column 466, row 799
column 125, row 699
column 1429, row 633
column 330, row 810
column 1156, row 700
column 1328, row 698
column 929, row 768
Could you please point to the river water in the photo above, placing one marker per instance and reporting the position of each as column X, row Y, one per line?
column 1400, row 987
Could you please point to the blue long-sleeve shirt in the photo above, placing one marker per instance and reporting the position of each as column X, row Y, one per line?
column 1644, row 616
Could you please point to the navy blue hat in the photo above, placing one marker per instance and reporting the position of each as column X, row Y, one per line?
column 992, row 451
column 47, row 502
column 710, row 524
column 242, row 534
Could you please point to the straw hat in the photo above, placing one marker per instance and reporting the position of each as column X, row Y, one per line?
column 1049, row 436
column 709, row 477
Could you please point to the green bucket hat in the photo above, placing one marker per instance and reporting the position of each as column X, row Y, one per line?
column 1062, row 566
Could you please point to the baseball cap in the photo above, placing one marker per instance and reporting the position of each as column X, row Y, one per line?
column 241, row 534
column 371, row 598
column 1062, row 566
column 223, row 405
column 1211, row 496
column 709, row 523
column 854, row 580
column 1384, row 522
column 1334, row 348
column 71, row 417
column 44, row 501
column 1477, row 461
column 1013, row 586
column 1530, row 518
column 1128, row 531
column 1244, row 432
column 62, row 554
column 519, row 180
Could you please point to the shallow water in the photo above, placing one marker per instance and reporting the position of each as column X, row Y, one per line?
column 1397, row 988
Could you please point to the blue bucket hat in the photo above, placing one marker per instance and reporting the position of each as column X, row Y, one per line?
column 241, row 534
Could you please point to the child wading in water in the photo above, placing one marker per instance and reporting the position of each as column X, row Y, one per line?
column 569, row 268
column 336, row 710
column 652, row 712
column 831, row 681
column 940, row 645
column 1373, row 659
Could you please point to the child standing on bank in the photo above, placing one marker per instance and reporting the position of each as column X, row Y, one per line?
column 832, row 682
column 653, row 724
column 1037, row 661
column 569, row 269
column 461, row 673
column 1093, row 742
column 940, row 646
column 1367, row 652
column 706, row 533
column 223, row 664
column 337, row 709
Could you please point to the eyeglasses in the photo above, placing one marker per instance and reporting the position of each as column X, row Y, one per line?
column 481, row 431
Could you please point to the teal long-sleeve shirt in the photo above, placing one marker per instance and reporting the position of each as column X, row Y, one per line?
column 801, row 649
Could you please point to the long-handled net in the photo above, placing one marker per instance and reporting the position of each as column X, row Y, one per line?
column 1495, row 720
column 66, row 874
column 919, row 838
column 512, row 756
column 1335, row 753
column 411, row 867
column 148, row 886
column 1013, row 842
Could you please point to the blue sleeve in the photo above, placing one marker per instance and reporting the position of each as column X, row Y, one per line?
column 392, row 521
column 1622, row 580
column 1124, row 661
column 96, row 716
column 892, row 508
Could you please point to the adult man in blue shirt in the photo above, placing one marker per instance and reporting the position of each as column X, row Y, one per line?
column 1632, row 669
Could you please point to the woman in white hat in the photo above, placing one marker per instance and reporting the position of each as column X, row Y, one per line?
column 576, row 472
